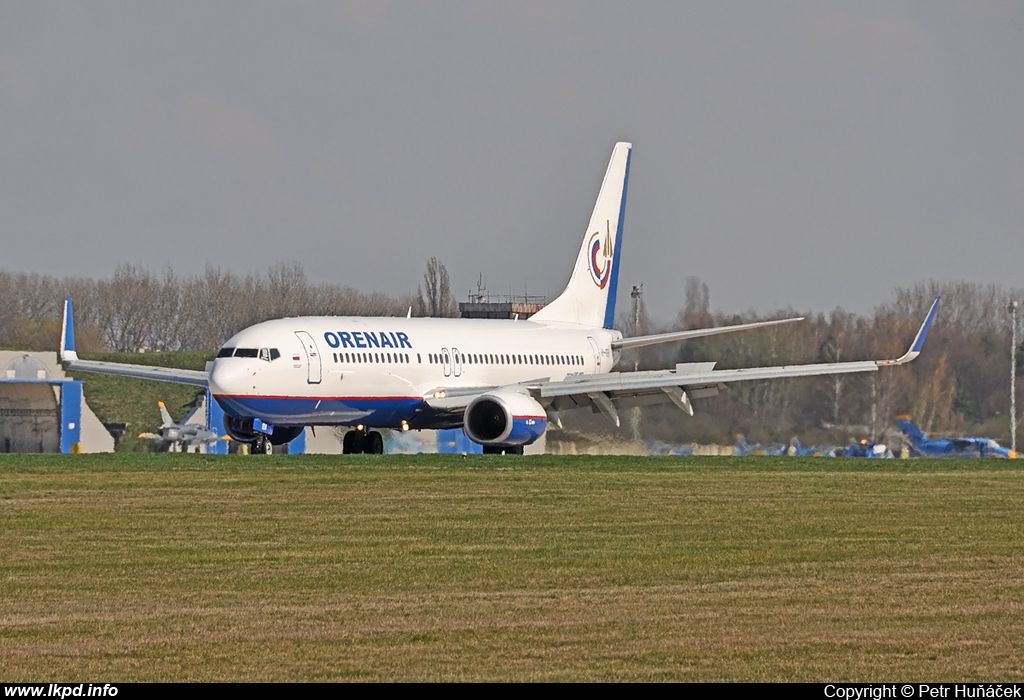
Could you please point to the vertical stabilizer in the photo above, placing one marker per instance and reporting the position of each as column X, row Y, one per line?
column 911, row 431
column 165, row 415
column 589, row 298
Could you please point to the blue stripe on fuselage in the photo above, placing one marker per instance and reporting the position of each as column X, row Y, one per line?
column 379, row 412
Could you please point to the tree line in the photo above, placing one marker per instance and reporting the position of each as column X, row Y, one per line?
column 960, row 383
column 140, row 309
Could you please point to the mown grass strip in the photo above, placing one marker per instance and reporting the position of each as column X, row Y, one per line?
column 186, row 567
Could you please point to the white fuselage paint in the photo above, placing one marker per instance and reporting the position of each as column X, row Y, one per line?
column 378, row 371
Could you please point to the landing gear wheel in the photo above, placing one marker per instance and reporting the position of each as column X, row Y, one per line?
column 373, row 443
column 261, row 445
column 351, row 444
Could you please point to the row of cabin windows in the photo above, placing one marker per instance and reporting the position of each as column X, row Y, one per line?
column 469, row 358
column 373, row 357
column 266, row 354
column 271, row 354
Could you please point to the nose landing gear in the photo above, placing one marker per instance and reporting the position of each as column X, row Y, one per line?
column 262, row 445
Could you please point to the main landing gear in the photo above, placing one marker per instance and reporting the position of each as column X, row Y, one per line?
column 361, row 441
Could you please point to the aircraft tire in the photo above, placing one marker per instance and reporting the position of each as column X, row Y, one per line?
column 373, row 444
column 351, row 444
column 261, row 445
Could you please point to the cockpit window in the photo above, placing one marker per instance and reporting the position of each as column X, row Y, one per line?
column 266, row 354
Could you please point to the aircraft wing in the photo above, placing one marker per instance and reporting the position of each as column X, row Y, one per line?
column 607, row 393
column 160, row 374
column 69, row 355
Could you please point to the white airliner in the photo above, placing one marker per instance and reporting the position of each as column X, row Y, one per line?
column 503, row 381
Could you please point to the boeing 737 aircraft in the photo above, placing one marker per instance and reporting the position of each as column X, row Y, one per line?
column 502, row 381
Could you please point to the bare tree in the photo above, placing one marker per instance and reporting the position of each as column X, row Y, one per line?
column 436, row 294
column 697, row 309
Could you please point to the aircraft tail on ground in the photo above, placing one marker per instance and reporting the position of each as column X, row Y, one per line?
column 165, row 415
column 910, row 430
column 589, row 298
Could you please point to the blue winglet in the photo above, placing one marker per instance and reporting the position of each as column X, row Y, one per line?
column 921, row 334
column 915, row 348
column 67, row 334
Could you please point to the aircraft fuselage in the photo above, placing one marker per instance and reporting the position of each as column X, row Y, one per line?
column 326, row 370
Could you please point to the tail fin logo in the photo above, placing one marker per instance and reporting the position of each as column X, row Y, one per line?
column 601, row 251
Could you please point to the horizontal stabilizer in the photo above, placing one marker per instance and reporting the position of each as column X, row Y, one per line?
column 644, row 340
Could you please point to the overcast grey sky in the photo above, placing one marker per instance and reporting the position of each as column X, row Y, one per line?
column 790, row 154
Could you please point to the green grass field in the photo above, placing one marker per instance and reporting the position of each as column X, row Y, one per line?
column 194, row 568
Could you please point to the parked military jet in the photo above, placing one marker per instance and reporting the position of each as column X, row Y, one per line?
column 185, row 434
column 920, row 445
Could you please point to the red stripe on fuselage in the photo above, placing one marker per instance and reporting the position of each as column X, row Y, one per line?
column 319, row 398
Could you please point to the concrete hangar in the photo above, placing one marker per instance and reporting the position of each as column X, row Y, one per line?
column 42, row 410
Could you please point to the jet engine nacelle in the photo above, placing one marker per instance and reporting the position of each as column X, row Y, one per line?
column 505, row 418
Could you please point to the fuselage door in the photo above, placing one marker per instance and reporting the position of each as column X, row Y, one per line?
column 597, row 353
column 456, row 362
column 313, row 364
column 446, row 360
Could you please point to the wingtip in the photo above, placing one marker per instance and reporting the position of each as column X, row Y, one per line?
column 922, row 333
column 67, row 334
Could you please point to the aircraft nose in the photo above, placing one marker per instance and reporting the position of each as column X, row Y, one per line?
column 227, row 378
